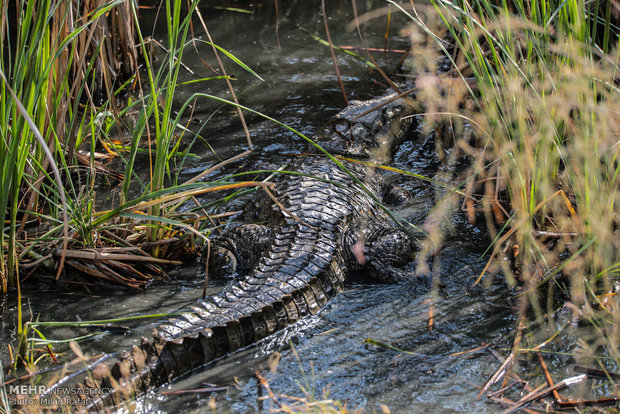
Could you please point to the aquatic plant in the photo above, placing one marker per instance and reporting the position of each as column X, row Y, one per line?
column 60, row 61
column 536, row 83
column 48, row 65
column 5, row 406
column 59, row 106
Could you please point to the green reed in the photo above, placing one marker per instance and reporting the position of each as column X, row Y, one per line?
column 48, row 63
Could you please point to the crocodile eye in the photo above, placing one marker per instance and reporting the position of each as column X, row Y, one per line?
column 359, row 132
column 335, row 137
column 342, row 128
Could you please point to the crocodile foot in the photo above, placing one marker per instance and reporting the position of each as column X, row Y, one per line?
column 239, row 249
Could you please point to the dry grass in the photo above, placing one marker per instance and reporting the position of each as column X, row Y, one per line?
column 536, row 107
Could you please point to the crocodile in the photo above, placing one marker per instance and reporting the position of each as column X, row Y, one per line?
column 326, row 223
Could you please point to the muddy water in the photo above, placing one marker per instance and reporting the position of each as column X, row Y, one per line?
column 329, row 356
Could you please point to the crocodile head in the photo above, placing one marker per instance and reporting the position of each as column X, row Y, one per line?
column 367, row 129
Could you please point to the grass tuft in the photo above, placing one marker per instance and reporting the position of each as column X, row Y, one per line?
column 538, row 83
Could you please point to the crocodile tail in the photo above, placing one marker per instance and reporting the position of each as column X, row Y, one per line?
column 215, row 328
column 155, row 362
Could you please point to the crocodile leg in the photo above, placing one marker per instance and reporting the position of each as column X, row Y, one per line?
column 239, row 249
column 384, row 251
